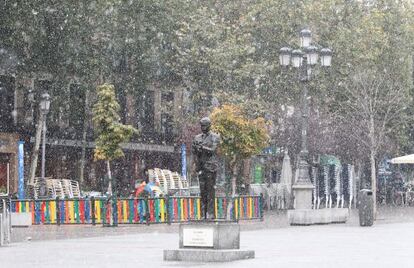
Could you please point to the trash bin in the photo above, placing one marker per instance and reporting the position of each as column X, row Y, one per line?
column 366, row 207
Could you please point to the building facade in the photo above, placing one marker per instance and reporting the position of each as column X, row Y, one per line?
column 154, row 111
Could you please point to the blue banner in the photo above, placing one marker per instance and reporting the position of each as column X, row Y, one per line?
column 183, row 162
column 20, row 169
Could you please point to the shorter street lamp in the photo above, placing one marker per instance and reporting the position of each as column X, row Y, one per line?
column 44, row 107
column 326, row 57
column 304, row 61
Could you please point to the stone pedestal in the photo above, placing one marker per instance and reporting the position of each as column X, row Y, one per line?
column 21, row 219
column 209, row 241
column 303, row 196
column 211, row 234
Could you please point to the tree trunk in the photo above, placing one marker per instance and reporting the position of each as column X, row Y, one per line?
column 35, row 153
column 357, row 183
column 373, row 153
column 108, row 167
column 234, row 169
column 84, row 132
column 374, row 182
column 110, row 201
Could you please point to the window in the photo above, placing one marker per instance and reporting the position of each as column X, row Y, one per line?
column 167, row 97
column 121, row 99
column 167, row 127
column 40, row 87
column 6, row 103
column 145, row 110
column 76, row 109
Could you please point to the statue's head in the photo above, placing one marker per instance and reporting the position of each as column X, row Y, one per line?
column 205, row 124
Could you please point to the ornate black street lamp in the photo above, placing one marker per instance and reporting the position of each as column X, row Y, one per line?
column 304, row 61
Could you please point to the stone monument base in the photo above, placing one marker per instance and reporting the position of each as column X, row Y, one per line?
column 209, row 241
column 207, row 255
column 317, row 216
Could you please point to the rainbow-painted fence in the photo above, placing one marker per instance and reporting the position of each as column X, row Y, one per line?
column 135, row 211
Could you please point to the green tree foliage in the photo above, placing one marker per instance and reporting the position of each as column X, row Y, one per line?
column 110, row 132
column 241, row 137
column 225, row 49
column 233, row 47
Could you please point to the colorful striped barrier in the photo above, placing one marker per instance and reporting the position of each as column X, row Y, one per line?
column 135, row 211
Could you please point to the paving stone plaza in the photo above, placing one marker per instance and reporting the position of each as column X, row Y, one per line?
column 386, row 244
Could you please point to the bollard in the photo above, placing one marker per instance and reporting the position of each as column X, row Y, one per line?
column 233, row 202
column 93, row 211
column 147, row 211
column 8, row 222
column 114, row 212
column 5, row 223
column 1, row 230
column 261, row 207
column 57, row 211
column 167, row 208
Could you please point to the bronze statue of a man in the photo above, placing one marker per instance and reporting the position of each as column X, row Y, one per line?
column 204, row 148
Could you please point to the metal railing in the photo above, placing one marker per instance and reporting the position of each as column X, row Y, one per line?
column 135, row 210
column 5, row 223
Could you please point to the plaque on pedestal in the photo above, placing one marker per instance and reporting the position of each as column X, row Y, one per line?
column 198, row 237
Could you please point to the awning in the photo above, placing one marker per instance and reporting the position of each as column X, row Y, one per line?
column 327, row 160
column 406, row 159
column 286, row 173
column 127, row 146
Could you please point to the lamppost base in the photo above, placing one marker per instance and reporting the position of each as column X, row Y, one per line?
column 317, row 216
column 303, row 195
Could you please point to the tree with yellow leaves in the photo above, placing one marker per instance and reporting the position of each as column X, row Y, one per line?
column 241, row 136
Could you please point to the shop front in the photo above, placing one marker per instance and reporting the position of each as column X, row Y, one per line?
column 8, row 163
